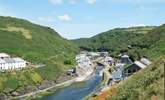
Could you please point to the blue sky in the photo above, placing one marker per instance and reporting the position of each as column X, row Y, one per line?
column 85, row 18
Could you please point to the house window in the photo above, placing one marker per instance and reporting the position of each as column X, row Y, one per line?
column 134, row 70
column 129, row 71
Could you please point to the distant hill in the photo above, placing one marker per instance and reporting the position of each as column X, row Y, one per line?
column 133, row 40
column 151, row 44
column 38, row 45
column 113, row 39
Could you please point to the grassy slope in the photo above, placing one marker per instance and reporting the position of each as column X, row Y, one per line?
column 147, row 84
column 45, row 46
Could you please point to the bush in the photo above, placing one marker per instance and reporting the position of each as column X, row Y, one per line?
column 36, row 78
column 68, row 62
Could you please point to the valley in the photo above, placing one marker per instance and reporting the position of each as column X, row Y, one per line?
column 102, row 67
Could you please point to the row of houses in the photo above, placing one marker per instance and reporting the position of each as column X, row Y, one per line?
column 94, row 55
column 125, row 67
column 8, row 63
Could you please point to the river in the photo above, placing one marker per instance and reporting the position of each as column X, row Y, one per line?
column 77, row 91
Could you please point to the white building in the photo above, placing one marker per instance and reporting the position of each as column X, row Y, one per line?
column 84, row 65
column 145, row 61
column 4, row 55
column 7, row 63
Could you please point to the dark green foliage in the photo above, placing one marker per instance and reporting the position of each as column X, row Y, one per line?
column 116, row 39
column 68, row 62
column 137, row 41
column 11, row 83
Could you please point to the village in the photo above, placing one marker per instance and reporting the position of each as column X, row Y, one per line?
column 118, row 69
column 115, row 69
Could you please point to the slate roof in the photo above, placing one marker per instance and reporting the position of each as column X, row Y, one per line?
column 119, row 73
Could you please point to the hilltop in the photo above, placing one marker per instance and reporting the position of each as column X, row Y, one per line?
column 37, row 45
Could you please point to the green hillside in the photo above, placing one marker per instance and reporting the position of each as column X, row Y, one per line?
column 152, row 44
column 38, row 45
column 135, row 40
column 113, row 40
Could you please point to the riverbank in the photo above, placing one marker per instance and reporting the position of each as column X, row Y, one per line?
column 79, row 90
column 45, row 91
column 103, row 86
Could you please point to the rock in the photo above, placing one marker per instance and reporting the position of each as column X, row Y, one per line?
column 15, row 93
column 29, row 89
column 45, row 84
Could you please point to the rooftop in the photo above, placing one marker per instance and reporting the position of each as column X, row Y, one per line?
column 141, row 65
column 4, row 55
column 125, row 56
column 11, row 60
column 145, row 61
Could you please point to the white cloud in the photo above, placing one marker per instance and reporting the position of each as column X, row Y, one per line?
column 55, row 2
column 91, row 1
column 65, row 17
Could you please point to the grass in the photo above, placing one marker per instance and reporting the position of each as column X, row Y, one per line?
column 25, row 33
